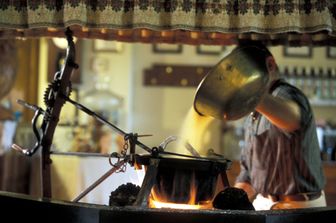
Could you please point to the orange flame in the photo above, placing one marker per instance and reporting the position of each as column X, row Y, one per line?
column 157, row 200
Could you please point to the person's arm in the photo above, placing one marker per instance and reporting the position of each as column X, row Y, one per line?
column 285, row 114
column 247, row 187
column 243, row 180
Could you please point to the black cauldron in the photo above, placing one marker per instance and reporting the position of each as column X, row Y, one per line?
column 175, row 177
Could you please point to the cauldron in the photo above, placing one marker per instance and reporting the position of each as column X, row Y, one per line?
column 176, row 177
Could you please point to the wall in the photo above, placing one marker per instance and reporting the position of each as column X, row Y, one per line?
column 93, row 63
column 117, row 66
column 160, row 111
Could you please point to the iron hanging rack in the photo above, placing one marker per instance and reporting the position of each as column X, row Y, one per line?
column 54, row 100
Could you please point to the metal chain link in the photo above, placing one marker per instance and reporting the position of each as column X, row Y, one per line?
column 125, row 148
column 122, row 154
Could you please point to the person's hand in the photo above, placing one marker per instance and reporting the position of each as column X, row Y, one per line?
column 251, row 193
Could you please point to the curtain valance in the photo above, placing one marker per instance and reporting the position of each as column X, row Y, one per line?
column 218, row 22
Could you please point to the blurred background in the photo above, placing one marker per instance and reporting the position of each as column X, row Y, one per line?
column 140, row 88
column 149, row 88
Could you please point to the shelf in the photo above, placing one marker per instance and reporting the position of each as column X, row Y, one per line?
column 322, row 102
column 175, row 75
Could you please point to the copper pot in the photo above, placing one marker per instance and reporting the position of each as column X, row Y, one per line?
column 234, row 86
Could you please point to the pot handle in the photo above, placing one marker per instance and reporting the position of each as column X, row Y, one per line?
column 168, row 140
column 187, row 145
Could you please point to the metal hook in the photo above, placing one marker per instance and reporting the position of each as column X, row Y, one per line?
column 38, row 112
column 168, row 140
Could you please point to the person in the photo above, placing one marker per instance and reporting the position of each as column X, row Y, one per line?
column 280, row 161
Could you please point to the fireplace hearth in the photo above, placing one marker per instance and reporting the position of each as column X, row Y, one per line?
column 47, row 210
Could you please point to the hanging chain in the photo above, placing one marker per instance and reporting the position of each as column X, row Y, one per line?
column 125, row 147
column 122, row 155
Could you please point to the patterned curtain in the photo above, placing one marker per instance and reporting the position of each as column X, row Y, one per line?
column 297, row 22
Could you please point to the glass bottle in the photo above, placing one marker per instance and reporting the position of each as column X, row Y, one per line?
column 102, row 100
column 333, row 84
column 325, row 85
column 309, row 86
column 318, row 85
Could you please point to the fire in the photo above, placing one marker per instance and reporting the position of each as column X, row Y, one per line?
column 159, row 204
column 161, row 201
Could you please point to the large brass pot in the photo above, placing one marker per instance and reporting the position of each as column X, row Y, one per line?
column 234, row 86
